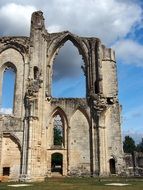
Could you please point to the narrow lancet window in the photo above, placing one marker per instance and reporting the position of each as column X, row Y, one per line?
column 58, row 131
column 8, row 89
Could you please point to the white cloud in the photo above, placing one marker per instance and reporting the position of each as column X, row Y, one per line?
column 67, row 63
column 129, row 52
column 15, row 19
column 106, row 19
column 53, row 28
column 6, row 111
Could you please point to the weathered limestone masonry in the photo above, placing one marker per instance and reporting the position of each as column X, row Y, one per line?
column 134, row 164
column 92, row 143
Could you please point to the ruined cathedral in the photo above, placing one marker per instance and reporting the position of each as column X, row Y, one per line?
column 90, row 135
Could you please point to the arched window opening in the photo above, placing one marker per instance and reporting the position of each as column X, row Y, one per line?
column 57, row 163
column 8, row 90
column 112, row 166
column 58, row 131
column 36, row 73
column 68, row 78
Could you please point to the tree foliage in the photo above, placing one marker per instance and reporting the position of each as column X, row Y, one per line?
column 58, row 139
column 129, row 145
column 140, row 146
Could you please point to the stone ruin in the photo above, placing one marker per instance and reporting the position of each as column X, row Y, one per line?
column 134, row 164
column 91, row 141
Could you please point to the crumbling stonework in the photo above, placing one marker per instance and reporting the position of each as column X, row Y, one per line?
column 92, row 143
column 134, row 164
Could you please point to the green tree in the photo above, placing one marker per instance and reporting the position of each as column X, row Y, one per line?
column 58, row 139
column 129, row 145
column 140, row 146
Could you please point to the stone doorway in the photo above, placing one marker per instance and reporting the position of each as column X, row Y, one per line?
column 112, row 166
column 57, row 164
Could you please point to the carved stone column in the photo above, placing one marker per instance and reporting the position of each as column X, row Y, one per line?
column 23, row 175
column 31, row 107
column 24, row 150
column 95, row 150
column 98, row 107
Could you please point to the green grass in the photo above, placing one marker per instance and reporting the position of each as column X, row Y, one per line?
column 79, row 184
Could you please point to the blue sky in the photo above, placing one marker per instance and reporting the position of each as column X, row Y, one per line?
column 118, row 23
column 8, row 91
column 68, row 77
column 8, row 88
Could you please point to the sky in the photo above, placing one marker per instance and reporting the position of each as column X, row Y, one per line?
column 118, row 23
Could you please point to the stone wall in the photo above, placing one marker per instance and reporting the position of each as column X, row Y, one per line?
column 134, row 164
column 79, row 145
column 11, row 156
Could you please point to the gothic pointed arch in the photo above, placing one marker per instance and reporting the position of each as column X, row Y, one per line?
column 18, row 44
column 14, row 138
column 75, row 65
column 59, row 110
column 8, row 64
column 57, row 128
column 83, row 111
column 59, row 40
column 55, row 45
column 13, row 58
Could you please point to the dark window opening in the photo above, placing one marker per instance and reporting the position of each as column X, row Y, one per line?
column 112, row 166
column 110, row 101
column 36, row 73
column 57, row 163
column 6, row 171
column 96, row 87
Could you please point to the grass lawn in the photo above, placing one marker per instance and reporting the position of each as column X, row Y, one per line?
column 79, row 184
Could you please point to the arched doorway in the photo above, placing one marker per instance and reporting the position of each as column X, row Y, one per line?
column 57, row 163
column 112, row 166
